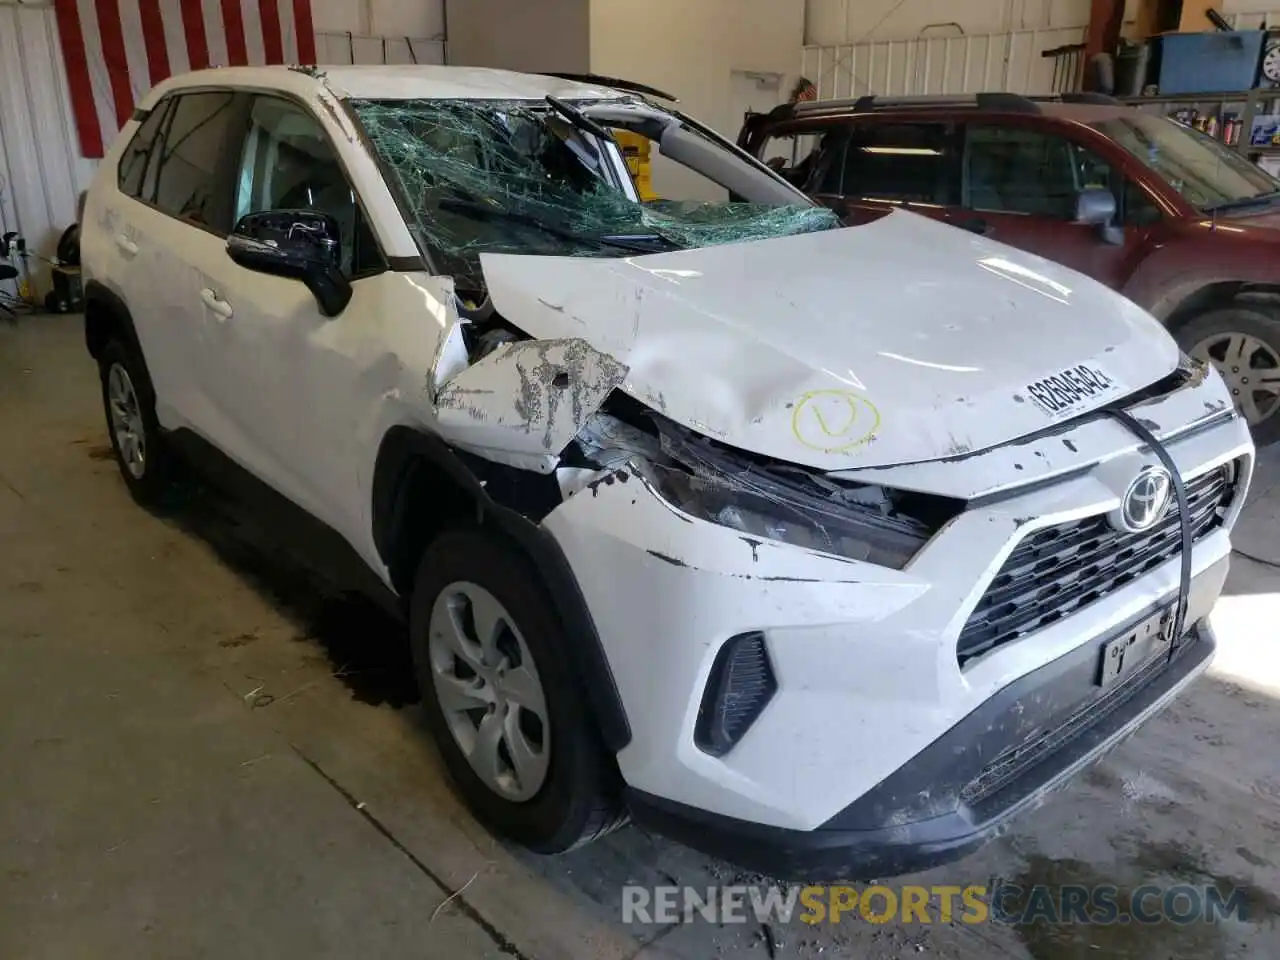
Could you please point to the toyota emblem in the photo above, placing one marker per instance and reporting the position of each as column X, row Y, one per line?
column 1146, row 500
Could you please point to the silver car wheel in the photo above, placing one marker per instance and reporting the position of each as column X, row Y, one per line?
column 489, row 692
column 1250, row 368
column 126, row 421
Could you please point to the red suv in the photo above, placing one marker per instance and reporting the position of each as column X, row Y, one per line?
column 1183, row 226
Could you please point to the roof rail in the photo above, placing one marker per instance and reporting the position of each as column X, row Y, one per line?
column 1088, row 96
column 603, row 81
column 1001, row 102
column 1005, row 102
column 1008, row 102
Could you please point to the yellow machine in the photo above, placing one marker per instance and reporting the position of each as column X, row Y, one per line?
column 636, row 149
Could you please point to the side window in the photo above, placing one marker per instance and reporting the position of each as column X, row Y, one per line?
column 1011, row 170
column 812, row 160
column 1025, row 171
column 1138, row 208
column 133, row 162
column 289, row 163
column 186, row 167
column 908, row 162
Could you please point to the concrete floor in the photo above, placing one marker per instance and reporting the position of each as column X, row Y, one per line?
column 208, row 757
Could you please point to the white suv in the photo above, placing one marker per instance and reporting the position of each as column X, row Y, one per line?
column 812, row 547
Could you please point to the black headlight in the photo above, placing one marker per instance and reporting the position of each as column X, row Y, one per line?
column 778, row 502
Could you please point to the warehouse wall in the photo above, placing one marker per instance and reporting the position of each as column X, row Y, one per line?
column 718, row 56
column 41, row 169
column 391, row 18
column 692, row 49
column 520, row 35
column 379, row 31
column 845, row 21
column 842, row 21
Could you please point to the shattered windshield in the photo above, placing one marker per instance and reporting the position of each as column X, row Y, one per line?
column 528, row 177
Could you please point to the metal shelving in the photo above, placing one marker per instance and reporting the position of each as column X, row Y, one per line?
column 1248, row 122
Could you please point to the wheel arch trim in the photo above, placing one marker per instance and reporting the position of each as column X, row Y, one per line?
column 405, row 450
column 99, row 297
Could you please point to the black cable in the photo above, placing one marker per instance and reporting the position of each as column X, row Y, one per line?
column 1184, row 519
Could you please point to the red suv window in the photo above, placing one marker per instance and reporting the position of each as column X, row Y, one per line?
column 909, row 162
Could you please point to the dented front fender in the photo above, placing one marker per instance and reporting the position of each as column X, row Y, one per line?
column 525, row 402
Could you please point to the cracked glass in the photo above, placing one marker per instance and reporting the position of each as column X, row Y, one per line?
column 491, row 176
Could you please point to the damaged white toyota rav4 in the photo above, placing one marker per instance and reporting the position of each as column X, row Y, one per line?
column 818, row 548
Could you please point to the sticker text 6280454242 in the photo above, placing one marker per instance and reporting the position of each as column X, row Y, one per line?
column 1068, row 389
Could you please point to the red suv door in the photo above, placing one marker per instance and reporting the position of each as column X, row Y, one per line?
column 1020, row 185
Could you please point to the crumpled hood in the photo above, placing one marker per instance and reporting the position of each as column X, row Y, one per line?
column 900, row 341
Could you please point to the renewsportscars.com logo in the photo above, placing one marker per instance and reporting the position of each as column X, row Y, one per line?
column 992, row 902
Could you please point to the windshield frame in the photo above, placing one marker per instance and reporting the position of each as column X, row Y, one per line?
column 1229, row 158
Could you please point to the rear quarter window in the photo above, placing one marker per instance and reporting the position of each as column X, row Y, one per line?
column 133, row 162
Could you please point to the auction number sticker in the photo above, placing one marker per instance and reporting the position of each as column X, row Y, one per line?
column 1065, row 391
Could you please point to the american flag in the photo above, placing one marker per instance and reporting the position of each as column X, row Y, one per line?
column 117, row 50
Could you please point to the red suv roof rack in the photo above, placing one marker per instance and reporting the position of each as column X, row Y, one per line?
column 1002, row 102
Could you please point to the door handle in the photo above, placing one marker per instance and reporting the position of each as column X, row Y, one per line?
column 126, row 245
column 216, row 303
column 976, row 225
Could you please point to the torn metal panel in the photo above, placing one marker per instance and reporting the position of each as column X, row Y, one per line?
column 609, row 445
column 451, row 352
column 524, row 402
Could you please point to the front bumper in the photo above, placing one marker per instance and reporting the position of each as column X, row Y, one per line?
column 864, row 657
column 856, row 843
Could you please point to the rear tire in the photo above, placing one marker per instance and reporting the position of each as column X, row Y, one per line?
column 128, row 401
column 548, row 782
column 1243, row 343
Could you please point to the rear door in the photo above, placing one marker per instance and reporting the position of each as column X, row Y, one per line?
column 174, row 230
column 1020, row 186
column 120, row 250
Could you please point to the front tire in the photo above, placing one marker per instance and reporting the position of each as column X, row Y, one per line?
column 1243, row 343
column 505, row 710
column 127, row 400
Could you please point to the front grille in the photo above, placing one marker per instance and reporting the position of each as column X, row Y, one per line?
column 1060, row 570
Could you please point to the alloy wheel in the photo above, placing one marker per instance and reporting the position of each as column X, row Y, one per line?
column 489, row 691
column 126, row 421
column 1251, row 369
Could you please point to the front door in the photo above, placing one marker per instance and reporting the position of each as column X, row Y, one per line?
column 282, row 372
column 1021, row 186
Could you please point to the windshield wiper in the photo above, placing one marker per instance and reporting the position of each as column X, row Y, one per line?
column 479, row 211
column 578, row 118
column 1270, row 197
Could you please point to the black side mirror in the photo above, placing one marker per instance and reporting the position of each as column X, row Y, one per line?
column 300, row 244
column 1097, row 206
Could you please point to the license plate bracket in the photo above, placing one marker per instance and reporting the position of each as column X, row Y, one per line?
column 1134, row 648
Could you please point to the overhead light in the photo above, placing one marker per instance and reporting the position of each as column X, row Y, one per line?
column 904, row 151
